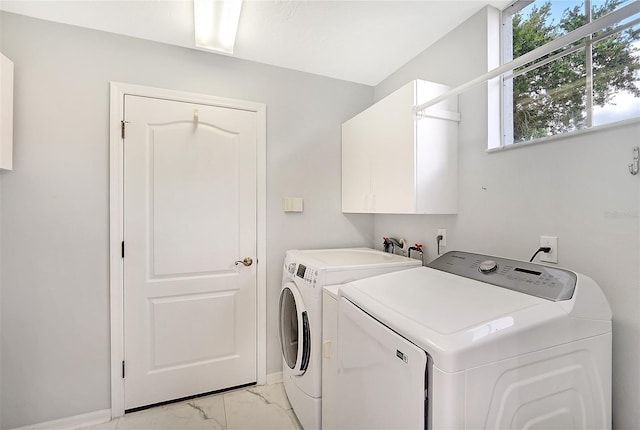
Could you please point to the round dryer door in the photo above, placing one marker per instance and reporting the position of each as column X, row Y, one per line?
column 295, row 337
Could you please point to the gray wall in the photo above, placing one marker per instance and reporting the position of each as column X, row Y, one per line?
column 575, row 188
column 55, row 203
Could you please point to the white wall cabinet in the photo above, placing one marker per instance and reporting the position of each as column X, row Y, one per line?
column 6, row 113
column 394, row 163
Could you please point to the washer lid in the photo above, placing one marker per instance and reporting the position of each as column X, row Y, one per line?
column 443, row 303
column 462, row 322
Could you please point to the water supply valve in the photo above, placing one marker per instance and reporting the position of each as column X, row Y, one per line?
column 418, row 248
column 387, row 245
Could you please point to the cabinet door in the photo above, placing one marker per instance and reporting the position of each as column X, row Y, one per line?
column 378, row 157
column 393, row 165
column 436, row 154
column 356, row 165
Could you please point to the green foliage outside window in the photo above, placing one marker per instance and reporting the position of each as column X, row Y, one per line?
column 552, row 99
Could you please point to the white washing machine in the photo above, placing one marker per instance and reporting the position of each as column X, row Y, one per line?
column 474, row 342
column 305, row 274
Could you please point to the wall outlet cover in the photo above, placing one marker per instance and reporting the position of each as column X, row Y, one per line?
column 442, row 232
column 551, row 242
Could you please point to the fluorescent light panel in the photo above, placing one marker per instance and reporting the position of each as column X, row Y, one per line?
column 216, row 24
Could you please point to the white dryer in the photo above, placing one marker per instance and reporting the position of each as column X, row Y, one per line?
column 305, row 274
column 474, row 342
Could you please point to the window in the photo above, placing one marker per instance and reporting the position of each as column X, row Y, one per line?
column 591, row 82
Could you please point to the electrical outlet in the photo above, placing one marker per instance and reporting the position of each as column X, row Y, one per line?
column 551, row 242
column 442, row 232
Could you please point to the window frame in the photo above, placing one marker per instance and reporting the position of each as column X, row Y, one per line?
column 506, row 81
column 494, row 75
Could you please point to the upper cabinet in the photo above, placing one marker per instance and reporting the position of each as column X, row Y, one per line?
column 394, row 163
column 6, row 113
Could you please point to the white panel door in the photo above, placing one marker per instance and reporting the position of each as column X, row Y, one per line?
column 189, row 215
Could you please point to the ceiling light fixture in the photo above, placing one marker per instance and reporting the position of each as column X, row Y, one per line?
column 216, row 24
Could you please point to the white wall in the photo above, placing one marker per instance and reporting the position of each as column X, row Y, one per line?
column 54, row 212
column 575, row 188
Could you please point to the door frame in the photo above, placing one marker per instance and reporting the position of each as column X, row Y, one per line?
column 118, row 91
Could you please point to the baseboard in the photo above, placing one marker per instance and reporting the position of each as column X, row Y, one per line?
column 100, row 417
column 73, row 423
column 274, row 378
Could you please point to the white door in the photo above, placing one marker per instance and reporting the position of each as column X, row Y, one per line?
column 189, row 215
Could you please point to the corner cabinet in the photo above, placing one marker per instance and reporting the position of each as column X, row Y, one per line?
column 396, row 164
column 6, row 113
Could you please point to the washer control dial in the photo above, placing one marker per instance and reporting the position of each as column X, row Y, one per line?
column 292, row 268
column 488, row 266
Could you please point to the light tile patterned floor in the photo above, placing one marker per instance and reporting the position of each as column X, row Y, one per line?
column 260, row 407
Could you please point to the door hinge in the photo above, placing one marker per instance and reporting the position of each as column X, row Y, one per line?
column 122, row 251
column 122, row 127
column 122, row 369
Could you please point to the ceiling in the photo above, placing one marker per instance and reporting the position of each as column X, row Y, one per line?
column 362, row 41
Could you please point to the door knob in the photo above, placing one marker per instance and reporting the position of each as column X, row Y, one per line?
column 247, row 262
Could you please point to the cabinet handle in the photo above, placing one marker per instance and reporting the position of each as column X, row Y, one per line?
column 370, row 202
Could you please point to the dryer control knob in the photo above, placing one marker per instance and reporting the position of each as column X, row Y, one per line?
column 488, row 266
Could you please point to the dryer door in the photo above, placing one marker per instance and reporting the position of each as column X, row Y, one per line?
column 295, row 337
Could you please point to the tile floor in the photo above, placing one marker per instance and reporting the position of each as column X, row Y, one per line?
column 259, row 407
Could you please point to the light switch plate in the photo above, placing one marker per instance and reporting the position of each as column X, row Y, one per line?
column 293, row 204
